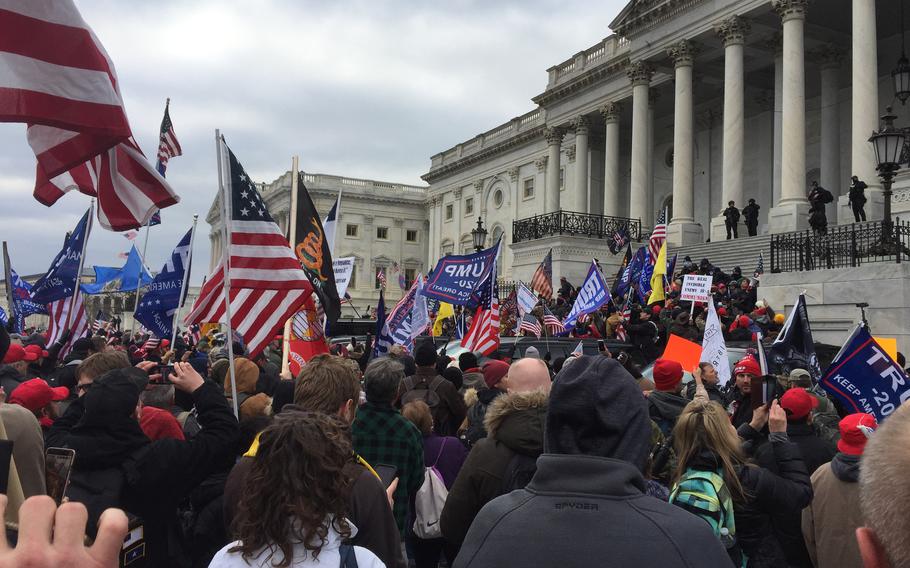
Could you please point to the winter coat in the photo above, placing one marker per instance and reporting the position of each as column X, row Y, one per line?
column 731, row 215
column 446, row 454
column 472, row 379
column 167, row 471
column 829, row 523
column 580, row 511
column 449, row 413
column 28, row 447
column 10, row 378
column 477, row 402
column 750, row 212
column 252, row 404
column 644, row 335
column 713, row 393
column 685, row 331
column 857, row 193
column 515, row 425
column 815, row 452
column 665, row 408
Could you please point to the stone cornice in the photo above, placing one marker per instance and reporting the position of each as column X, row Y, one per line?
column 583, row 81
column 521, row 138
column 641, row 15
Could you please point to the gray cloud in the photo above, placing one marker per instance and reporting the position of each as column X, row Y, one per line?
column 359, row 88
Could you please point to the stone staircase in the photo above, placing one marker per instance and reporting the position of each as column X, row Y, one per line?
column 742, row 252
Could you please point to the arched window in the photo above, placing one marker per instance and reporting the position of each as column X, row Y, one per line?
column 447, row 247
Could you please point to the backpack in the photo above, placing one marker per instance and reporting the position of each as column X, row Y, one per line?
column 518, row 473
column 348, row 557
column 429, row 394
column 189, row 423
column 705, row 494
column 429, row 501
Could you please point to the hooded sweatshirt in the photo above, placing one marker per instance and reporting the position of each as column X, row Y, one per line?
column 586, row 503
column 664, row 409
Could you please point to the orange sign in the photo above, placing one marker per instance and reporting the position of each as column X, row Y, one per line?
column 683, row 351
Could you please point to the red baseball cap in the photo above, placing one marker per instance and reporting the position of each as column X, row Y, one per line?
column 17, row 353
column 37, row 350
column 747, row 365
column 35, row 394
column 798, row 403
column 855, row 430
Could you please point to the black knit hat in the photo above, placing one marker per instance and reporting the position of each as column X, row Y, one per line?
column 113, row 396
column 597, row 409
column 425, row 354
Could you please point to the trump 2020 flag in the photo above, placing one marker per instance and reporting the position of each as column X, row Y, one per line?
column 714, row 348
column 23, row 306
column 864, row 378
column 457, row 278
column 61, row 278
column 591, row 296
column 794, row 348
column 162, row 300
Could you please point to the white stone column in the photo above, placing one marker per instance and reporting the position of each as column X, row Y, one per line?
column 733, row 33
column 554, row 147
column 639, row 74
column 866, row 110
column 830, row 60
column 791, row 211
column 777, row 43
column 610, row 112
column 682, row 228
column 653, row 95
column 582, row 199
column 432, row 233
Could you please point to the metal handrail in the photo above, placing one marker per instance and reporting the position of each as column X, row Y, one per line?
column 573, row 223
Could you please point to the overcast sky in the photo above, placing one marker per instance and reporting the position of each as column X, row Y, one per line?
column 357, row 88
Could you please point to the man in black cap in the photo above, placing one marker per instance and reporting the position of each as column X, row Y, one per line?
column 731, row 220
column 750, row 213
column 446, row 405
column 116, row 465
column 586, row 504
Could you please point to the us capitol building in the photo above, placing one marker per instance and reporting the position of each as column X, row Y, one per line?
column 688, row 105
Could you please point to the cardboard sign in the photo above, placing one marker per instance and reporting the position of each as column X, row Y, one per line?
column 695, row 288
column 683, row 351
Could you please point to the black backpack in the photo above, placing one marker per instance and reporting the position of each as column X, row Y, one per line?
column 428, row 395
column 518, row 473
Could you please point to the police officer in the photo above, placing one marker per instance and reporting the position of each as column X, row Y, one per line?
column 857, row 197
column 750, row 212
column 731, row 219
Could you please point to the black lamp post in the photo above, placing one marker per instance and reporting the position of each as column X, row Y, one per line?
column 901, row 74
column 887, row 143
column 479, row 234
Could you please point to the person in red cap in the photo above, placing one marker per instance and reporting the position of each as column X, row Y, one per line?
column 665, row 403
column 41, row 399
column 798, row 403
column 740, row 401
column 34, row 367
column 15, row 366
column 829, row 523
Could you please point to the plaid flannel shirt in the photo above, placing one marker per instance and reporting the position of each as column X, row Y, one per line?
column 383, row 436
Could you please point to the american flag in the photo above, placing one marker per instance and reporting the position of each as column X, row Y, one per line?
column 625, row 313
column 658, row 236
column 267, row 284
column 620, row 239
column 168, row 146
column 100, row 321
column 151, row 343
column 380, row 275
column 60, row 81
column 483, row 337
column 530, row 324
column 760, row 268
column 542, row 281
column 131, row 235
column 193, row 335
column 58, row 312
column 552, row 322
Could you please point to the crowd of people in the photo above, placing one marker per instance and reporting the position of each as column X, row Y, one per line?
column 418, row 458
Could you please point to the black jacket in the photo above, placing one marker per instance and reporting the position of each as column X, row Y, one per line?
column 731, row 215
column 580, row 511
column 664, row 409
column 168, row 471
column 713, row 393
column 750, row 212
column 10, row 378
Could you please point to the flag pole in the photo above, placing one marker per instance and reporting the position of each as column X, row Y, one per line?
column 225, row 260
column 292, row 235
column 183, row 286
column 145, row 244
column 88, row 231
column 8, row 276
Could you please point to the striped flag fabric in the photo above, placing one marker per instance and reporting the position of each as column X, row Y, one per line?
column 760, row 267
column 100, row 321
column 530, row 324
column 151, row 343
column 380, row 275
column 542, row 281
column 267, row 284
column 551, row 322
column 168, row 146
column 658, row 236
column 59, row 80
column 625, row 313
column 483, row 336
column 58, row 312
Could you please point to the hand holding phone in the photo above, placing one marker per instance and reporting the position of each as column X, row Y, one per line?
column 58, row 462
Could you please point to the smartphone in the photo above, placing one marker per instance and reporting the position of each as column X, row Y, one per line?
column 763, row 391
column 165, row 371
column 601, row 346
column 6, row 457
column 57, row 465
column 386, row 473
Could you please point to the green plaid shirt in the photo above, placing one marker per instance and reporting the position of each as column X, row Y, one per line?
column 383, row 436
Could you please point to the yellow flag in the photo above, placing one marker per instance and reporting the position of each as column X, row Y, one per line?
column 445, row 311
column 657, row 278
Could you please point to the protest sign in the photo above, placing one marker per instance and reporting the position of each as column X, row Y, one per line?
column 683, row 351
column 889, row 344
column 526, row 299
column 864, row 378
column 695, row 288
column 591, row 296
column 343, row 268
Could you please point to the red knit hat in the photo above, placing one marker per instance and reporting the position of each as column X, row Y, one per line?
column 798, row 403
column 667, row 374
column 855, row 430
column 494, row 371
column 747, row 365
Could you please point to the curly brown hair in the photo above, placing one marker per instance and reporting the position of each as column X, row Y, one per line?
column 296, row 484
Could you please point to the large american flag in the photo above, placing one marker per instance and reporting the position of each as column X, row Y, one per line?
column 58, row 312
column 58, row 79
column 551, row 322
column 658, row 236
column 530, row 324
column 760, row 267
column 542, row 281
column 483, row 337
column 168, row 146
column 267, row 285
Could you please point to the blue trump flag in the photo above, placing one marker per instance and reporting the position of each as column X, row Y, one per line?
column 62, row 277
column 132, row 274
column 162, row 300
column 644, row 282
column 456, row 278
column 23, row 306
column 865, row 378
column 593, row 293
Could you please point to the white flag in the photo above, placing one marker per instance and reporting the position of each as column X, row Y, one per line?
column 330, row 223
column 420, row 316
column 526, row 299
column 713, row 347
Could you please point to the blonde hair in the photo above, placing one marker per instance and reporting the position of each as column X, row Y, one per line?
column 705, row 426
